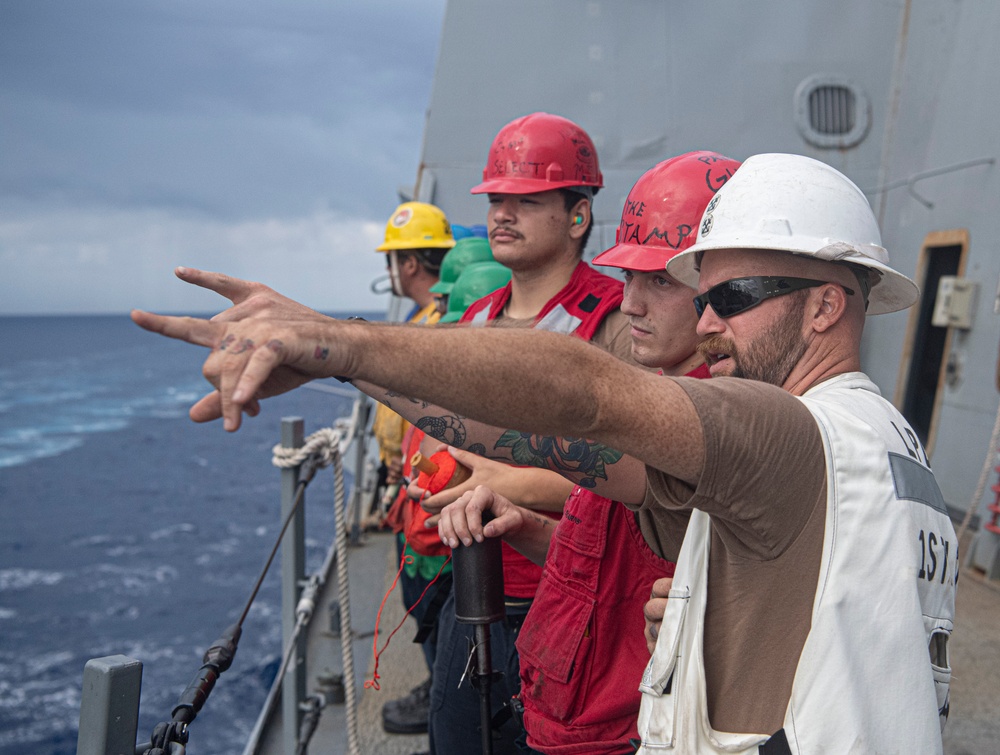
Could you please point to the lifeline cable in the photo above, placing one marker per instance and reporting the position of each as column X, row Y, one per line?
column 309, row 465
column 322, row 448
column 219, row 657
column 304, row 613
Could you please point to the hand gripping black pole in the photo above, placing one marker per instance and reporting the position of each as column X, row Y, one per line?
column 478, row 579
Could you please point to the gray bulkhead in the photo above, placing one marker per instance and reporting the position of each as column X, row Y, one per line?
column 652, row 78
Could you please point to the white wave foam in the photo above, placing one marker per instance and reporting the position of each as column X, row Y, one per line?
column 120, row 551
column 98, row 426
column 22, row 579
column 12, row 457
column 172, row 530
column 131, row 579
column 92, row 540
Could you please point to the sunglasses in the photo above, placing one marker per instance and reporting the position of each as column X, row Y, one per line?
column 740, row 294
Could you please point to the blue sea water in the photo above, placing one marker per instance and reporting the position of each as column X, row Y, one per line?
column 126, row 528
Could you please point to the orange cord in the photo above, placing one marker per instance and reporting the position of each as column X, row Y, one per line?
column 373, row 683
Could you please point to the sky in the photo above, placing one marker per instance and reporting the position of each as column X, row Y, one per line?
column 262, row 138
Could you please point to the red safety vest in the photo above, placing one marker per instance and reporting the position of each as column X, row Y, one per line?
column 582, row 646
column 579, row 308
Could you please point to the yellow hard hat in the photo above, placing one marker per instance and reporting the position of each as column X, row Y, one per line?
column 417, row 225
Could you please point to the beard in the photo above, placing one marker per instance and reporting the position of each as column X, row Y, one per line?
column 769, row 358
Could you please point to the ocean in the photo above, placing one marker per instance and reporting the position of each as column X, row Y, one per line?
column 127, row 528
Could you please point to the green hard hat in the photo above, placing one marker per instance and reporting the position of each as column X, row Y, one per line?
column 465, row 252
column 476, row 280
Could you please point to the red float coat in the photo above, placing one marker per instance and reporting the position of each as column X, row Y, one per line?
column 582, row 646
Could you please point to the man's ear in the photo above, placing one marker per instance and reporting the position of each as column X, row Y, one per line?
column 409, row 263
column 579, row 219
column 829, row 305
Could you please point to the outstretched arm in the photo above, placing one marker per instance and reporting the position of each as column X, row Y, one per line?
column 496, row 376
column 581, row 461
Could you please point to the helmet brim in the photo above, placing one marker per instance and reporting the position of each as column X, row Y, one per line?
column 400, row 246
column 441, row 288
column 645, row 259
column 526, row 186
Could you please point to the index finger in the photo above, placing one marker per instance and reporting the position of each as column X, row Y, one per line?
column 438, row 501
column 234, row 289
column 191, row 329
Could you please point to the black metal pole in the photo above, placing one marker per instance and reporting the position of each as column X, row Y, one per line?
column 478, row 580
column 484, row 672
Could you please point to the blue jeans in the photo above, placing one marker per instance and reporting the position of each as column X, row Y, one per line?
column 454, row 710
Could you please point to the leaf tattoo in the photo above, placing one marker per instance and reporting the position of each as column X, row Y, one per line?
column 577, row 456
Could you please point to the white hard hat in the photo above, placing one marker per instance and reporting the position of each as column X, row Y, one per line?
column 793, row 203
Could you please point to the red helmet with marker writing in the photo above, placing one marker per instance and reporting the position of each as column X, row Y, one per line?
column 663, row 209
column 540, row 152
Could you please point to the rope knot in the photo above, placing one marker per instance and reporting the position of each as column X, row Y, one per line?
column 324, row 444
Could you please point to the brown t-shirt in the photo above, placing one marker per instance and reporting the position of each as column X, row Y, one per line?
column 764, row 487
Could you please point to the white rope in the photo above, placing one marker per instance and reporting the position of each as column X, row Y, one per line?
column 346, row 630
column 325, row 443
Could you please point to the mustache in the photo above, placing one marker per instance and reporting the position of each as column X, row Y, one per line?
column 716, row 345
column 505, row 229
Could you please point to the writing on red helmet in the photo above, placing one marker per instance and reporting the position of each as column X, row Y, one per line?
column 661, row 214
column 540, row 152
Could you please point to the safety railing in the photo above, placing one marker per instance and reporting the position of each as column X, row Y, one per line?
column 112, row 685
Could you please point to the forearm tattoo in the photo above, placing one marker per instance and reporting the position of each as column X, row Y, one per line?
column 448, row 429
column 582, row 460
column 538, row 519
column 585, row 460
column 388, row 395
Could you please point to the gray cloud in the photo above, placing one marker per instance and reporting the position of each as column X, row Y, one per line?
column 128, row 123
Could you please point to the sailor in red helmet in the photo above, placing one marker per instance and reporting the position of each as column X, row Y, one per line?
column 581, row 645
column 541, row 175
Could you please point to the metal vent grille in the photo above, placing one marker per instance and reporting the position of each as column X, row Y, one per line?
column 831, row 112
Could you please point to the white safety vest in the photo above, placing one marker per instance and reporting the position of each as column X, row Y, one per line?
column 874, row 672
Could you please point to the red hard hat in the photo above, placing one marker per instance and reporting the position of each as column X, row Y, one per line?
column 664, row 208
column 540, row 152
